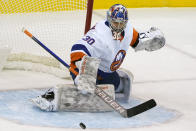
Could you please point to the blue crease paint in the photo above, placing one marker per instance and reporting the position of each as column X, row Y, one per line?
column 15, row 106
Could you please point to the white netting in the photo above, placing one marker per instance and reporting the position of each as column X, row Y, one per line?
column 54, row 23
column 4, row 53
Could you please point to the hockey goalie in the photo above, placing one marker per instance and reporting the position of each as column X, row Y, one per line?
column 98, row 57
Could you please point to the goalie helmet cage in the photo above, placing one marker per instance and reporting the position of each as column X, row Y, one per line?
column 59, row 24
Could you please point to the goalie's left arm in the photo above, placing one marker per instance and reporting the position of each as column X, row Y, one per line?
column 150, row 40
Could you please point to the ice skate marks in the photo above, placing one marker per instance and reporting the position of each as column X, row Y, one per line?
column 15, row 106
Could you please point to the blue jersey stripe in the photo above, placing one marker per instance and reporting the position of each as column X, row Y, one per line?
column 80, row 47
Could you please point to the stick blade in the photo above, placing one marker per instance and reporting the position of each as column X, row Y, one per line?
column 141, row 108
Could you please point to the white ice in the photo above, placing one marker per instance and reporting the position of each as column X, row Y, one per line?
column 167, row 75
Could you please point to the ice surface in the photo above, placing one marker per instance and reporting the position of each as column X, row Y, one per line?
column 12, row 102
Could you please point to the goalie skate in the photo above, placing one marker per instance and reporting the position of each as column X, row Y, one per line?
column 46, row 101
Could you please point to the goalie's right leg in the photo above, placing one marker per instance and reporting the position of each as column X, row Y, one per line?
column 68, row 98
column 73, row 100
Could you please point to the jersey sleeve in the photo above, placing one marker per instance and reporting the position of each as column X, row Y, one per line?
column 135, row 38
column 78, row 51
column 88, row 45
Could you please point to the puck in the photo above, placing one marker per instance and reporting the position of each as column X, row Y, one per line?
column 82, row 125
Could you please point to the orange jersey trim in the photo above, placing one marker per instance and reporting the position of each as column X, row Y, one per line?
column 75, row 56
column 135, row 36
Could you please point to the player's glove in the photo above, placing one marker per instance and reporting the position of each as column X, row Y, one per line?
column 151, row 40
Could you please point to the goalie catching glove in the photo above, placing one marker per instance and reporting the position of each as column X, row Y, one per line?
column 151, row 40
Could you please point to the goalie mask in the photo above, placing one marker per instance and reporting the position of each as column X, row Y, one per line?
column 117, row 16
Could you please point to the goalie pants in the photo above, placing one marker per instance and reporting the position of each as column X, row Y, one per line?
column 105, row 78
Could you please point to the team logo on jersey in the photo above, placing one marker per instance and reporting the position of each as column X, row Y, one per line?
column 118, row 60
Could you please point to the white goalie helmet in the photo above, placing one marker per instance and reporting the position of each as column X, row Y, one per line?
column 117, row 16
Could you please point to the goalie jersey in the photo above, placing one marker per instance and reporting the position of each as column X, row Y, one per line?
column 102, row 43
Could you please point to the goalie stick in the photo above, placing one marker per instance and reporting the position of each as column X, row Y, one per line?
column 121, row 110
column 99, row 92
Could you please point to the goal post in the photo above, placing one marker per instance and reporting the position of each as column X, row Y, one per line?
column 88, row 15
column 59, row 24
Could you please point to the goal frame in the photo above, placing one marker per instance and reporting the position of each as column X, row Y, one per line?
column 88, row 15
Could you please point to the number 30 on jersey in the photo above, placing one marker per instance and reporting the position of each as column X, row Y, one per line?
column 89, row 40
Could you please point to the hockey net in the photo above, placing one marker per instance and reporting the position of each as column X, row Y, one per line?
column 58, row 24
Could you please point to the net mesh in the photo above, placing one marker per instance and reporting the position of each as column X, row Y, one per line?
column 27, row 6
column 56, row 23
